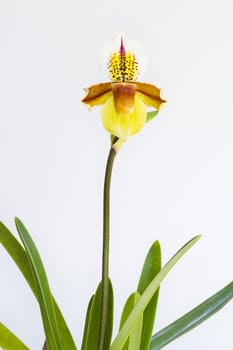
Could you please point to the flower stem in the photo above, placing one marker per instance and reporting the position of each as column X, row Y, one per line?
column 105, row 257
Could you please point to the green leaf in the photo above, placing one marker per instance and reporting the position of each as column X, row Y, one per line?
column 193, row 318
column 151, row 115
column 92, row 329
column 18, row 254
column 151, row 268
column 144, row 300
column 133, row 343
column 9, row 341
column 51, row 329
column 85, row 333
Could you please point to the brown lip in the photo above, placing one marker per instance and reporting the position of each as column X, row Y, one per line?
column 123, row 95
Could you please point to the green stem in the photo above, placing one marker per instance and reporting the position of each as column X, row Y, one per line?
column 105, row 257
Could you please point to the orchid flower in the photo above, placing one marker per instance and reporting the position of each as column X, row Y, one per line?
column 124, row 100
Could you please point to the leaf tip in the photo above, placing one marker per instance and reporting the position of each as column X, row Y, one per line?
column 17, row 220
column 157, row 244
column 197, row 237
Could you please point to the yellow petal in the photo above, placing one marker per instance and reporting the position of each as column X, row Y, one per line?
column 149, row 94
column 124, row 125
column 97, row 94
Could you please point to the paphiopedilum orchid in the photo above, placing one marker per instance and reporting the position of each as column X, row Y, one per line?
column 124, row 113
column 124, row 99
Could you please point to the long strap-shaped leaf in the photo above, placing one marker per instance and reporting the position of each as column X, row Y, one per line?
column 146, row 297
column 18, row 254
column 151, row 268
column 9, row 341
column 193, row 318
column 133, row 342
column 87, row 323
column 92, row 324
column 52, row 333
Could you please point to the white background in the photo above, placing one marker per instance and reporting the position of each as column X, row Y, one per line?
column 172, row 181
